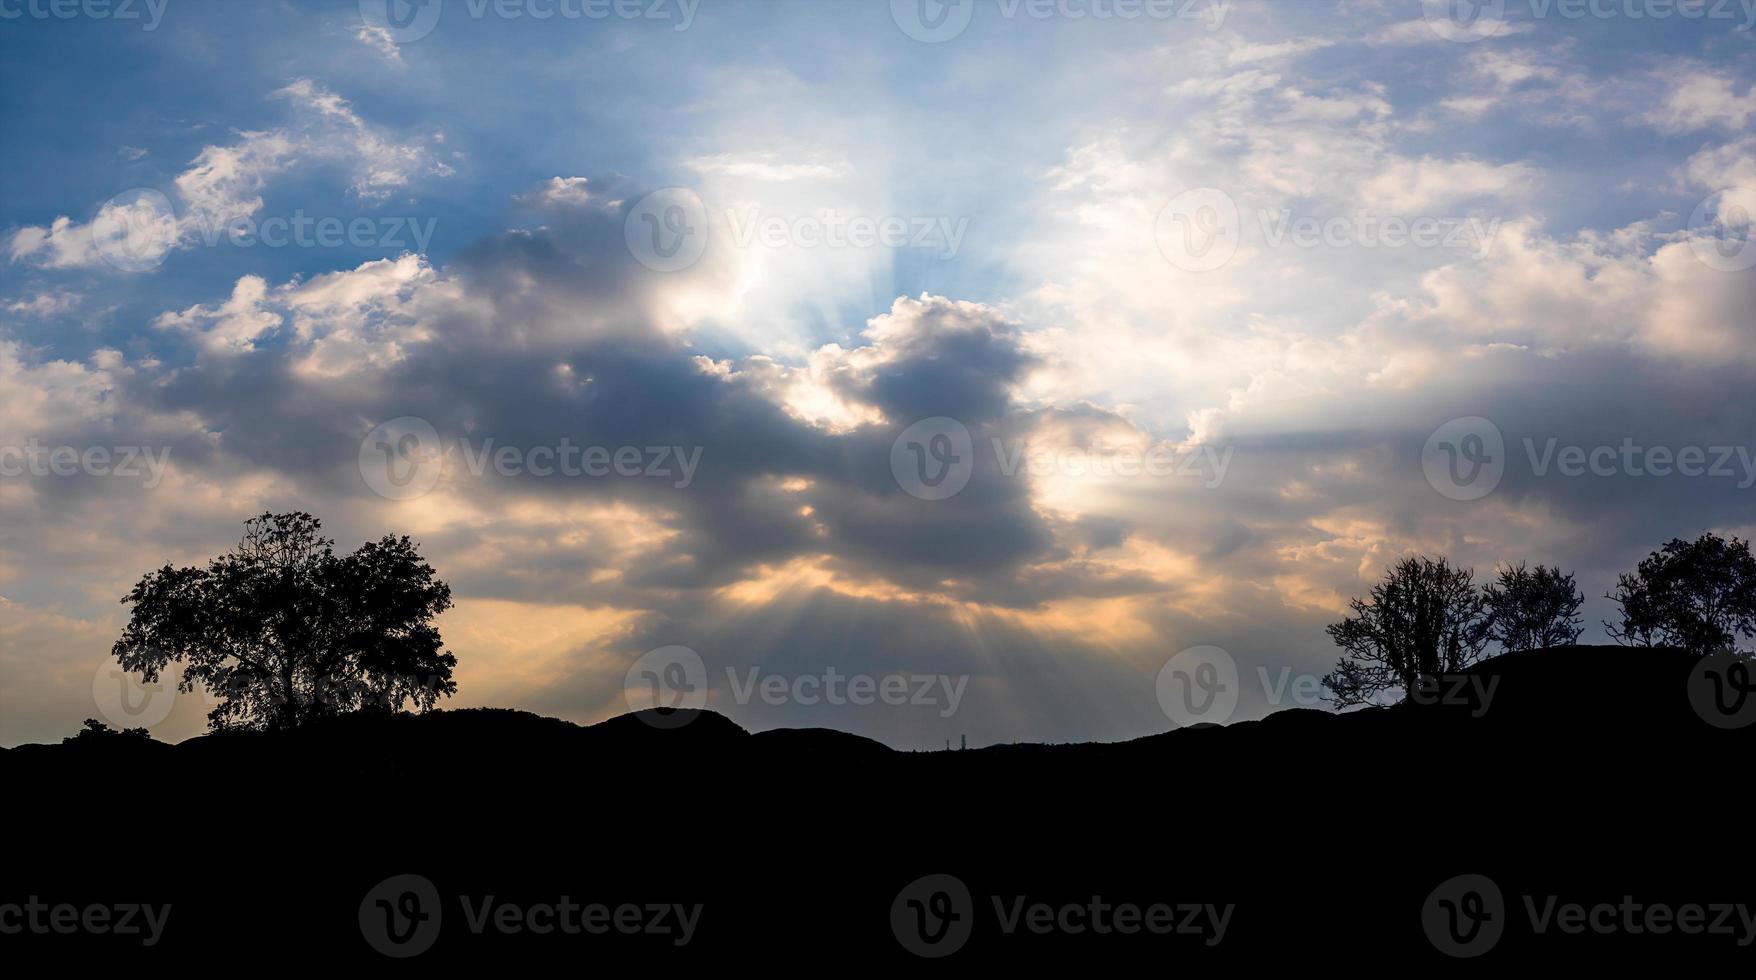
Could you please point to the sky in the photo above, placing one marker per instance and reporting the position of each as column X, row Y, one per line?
column 919, row 370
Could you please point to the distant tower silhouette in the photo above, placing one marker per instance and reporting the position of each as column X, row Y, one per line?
column 962, row 742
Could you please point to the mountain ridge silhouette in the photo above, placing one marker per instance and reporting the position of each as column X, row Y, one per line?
column 1544, row 684
column 1590, row 775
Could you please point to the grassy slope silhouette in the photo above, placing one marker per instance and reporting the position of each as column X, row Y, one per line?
column 1615, row 687
column 1589, row 773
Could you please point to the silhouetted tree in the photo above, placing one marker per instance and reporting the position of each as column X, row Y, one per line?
column 1533, row 608
column 1699, row 595
column 96, row 730
column 1425, row 619
column 286, row 631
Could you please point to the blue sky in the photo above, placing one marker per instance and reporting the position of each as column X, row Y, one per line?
column 1587, row 180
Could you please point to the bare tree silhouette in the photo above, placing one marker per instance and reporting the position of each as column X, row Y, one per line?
column 1425, row 619
column 1533, row 608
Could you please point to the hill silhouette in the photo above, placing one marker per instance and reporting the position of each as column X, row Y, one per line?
column 1588, row 772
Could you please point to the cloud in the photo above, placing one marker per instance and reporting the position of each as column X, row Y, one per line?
column 1413, row 186
column 378, row 38
column 234, row 325
column 574, row 191
column 1730, row 167
column 1696, row 98
column 45, row 304
column 286, row 380
column 1427, row 30
column 1591, row 319
column 224, row 183
column 764, row 167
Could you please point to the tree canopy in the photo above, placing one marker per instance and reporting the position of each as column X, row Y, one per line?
column 1699, row 595
column 1533, row 608
column 1423, row 620
column 285, row 631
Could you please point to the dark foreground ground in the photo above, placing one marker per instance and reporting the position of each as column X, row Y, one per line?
column 1605, row 809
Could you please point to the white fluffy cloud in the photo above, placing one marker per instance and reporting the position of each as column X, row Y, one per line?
column 1696, row 99
column 224, row 185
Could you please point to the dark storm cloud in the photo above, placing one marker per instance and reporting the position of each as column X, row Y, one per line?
column 549, row 336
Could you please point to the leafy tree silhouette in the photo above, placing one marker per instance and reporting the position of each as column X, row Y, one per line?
column 1699, row 595
column 1533, row 608
column 97, row 731
column 287, row 632
column 1425, row 619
